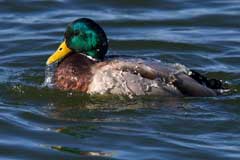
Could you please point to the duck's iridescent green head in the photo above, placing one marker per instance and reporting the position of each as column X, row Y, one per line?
column 82, row 36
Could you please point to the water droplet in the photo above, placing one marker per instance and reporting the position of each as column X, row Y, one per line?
column 49, row 74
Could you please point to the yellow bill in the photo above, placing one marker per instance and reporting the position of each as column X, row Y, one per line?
column 60, row 53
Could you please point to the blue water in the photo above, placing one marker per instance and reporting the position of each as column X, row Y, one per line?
column 42, row 123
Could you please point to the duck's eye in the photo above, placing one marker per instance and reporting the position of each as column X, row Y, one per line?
column 76, row 33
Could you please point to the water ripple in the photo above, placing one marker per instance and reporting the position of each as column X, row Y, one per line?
column 37, row 122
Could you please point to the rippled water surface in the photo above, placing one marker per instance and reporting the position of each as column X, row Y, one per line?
column 41, row 123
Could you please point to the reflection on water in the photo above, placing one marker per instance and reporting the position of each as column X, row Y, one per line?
column 82, row 153
column 38, row 122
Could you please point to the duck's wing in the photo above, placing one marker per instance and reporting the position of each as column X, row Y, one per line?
column 136, row 68
column 190, row 87
column 185, row 84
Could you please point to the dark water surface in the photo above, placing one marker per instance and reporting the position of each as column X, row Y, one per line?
column 41, row 123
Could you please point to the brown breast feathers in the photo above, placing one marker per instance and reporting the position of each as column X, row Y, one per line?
column 74, row 73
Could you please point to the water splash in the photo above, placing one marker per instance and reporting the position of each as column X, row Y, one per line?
column 49, row 75
column 180, row 68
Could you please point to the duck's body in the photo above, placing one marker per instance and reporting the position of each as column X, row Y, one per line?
column 87, row 72
column 78, row 72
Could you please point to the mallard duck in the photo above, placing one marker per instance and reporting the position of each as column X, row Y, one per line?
column 81, row 66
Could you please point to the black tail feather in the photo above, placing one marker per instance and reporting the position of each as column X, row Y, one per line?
column 210, row 83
